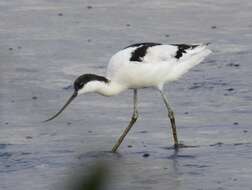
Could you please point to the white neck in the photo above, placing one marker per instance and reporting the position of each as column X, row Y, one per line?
column 106, row 89
column 110, row 88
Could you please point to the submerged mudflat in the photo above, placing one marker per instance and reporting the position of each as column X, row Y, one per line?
column 45, row 45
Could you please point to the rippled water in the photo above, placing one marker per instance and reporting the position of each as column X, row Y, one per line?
column 45, row 45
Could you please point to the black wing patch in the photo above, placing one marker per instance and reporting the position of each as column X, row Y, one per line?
column 149, row 44
column 182, row 48
column 141, row 50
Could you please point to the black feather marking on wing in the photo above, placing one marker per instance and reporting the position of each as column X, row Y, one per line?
column 84, row 79
column 182, row 48
column 141, row 50
column 149, row 44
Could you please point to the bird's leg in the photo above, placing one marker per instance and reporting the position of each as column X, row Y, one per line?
column 132, row 121
column 172, row 119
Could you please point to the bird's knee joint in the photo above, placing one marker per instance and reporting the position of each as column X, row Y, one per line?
column 171, row 114
column 135, row 115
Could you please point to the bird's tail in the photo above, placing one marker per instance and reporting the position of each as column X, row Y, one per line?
column 192, row 58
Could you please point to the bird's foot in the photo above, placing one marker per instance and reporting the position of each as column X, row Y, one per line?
column 182, row 145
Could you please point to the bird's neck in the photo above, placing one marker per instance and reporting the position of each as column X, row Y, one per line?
column 109, row 88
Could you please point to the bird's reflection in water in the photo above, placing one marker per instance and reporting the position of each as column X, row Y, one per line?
column 175, row 167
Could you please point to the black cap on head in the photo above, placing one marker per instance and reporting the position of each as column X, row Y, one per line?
column 80, row 82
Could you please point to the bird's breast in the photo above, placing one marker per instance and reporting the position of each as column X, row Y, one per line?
column 142, row 75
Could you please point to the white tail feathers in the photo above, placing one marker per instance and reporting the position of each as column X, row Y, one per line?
column 192, row 58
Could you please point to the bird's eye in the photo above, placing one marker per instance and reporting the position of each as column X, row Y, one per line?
column 78, row 85
column 81, row 85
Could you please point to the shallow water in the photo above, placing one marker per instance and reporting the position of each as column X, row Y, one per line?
column 45, row 45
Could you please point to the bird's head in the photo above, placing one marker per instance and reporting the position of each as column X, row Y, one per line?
column 83, row 84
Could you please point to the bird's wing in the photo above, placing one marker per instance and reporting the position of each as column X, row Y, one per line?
column 151, row 53
column 160, row 53
column 157, row 53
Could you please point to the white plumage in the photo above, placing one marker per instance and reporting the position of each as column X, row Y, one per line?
column 139, row 66
column 157, row 67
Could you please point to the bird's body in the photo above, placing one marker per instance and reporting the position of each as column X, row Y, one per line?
column 139, row 66
column 157, row 65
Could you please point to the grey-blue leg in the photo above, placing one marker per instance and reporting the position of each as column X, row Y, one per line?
column 132, row 121
column 172, row 119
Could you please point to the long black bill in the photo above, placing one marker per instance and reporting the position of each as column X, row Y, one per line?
column 62, row 109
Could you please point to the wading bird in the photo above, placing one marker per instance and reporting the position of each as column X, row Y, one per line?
column 139, row 66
